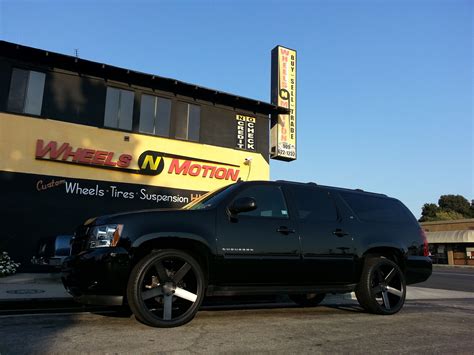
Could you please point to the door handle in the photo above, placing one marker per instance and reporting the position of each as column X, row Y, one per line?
column 340, row 233
column 285, row 230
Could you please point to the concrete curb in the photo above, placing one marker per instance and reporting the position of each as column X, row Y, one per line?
column 443, row 266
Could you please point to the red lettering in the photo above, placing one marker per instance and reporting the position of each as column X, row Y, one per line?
column 108, row 160
column 99, row 157
column 81, row 155
column 284, row 52
column 220, row 173
column 50, row 148
column 209, row 171
column 124, row 160
column 177, row 169
column 232, row 174
column 194, row 170
column 86, row 156
column 70, row 153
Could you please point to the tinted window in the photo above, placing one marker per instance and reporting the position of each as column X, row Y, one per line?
column 26, row 91
column 155, row 115
column 34, row 93
column 163, row 114
column 373, row 208
column 194, row 122
column 270, row 201
column 314, row 204
column 188, row 121
column 147, row 114
column 119, row 108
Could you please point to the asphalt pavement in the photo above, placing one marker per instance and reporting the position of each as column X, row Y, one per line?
column 451, row 278
column 438, row 317
column 433, row 326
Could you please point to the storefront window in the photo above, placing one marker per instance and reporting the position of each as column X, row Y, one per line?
column 119, row 109
column 155, row 115
column 188, row 121
column 26, row 91
column 438, row 253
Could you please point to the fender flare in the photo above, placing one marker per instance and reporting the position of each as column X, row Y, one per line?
column 175, row 235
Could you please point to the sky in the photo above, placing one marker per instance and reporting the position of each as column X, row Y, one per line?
column 384, row 87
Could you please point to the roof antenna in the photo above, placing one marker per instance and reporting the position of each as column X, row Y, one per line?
column 76, row 52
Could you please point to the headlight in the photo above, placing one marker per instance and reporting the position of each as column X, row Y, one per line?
column 105, row 236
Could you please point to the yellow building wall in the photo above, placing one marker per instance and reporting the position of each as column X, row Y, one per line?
column 19, row 136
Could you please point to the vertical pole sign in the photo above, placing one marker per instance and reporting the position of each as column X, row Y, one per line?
column 283, row 92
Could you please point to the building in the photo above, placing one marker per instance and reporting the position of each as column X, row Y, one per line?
column 451, row 242
column 80, row 138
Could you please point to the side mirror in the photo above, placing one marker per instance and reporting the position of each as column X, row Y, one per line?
column 243, row 204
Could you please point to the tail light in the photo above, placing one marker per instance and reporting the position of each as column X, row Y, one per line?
column 426, row 250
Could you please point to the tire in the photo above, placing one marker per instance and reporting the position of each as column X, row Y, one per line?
column 382, row 287
column 308, row 300
column 166, row 288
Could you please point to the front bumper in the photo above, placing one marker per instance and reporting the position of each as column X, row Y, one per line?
column 418, row 269
column 97, row 276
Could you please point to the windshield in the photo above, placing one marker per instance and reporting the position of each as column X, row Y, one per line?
column 210, row 199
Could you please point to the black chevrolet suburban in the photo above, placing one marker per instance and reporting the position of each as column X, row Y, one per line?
column 250, row 238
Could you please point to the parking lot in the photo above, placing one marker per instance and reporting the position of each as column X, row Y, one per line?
column 442, row 324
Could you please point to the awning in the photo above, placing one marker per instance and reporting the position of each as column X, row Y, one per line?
column 465, row 236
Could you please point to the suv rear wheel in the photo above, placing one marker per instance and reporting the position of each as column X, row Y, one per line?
column 166, row 288
column 382, row 288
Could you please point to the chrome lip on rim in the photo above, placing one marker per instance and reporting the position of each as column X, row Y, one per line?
column 167, row 287
column 387, row 287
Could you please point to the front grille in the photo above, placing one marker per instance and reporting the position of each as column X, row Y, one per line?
column 79, row 240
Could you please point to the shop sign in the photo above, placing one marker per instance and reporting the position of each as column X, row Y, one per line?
column 245, row 132
column 283, row 131
column 149, row 162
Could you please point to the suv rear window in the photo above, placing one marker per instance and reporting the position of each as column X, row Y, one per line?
column 373, row 208
column 314, row 203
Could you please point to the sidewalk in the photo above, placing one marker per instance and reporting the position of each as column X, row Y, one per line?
column 27, row 287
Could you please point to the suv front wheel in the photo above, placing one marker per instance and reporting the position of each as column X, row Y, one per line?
column 166, row 288
column 382, row 288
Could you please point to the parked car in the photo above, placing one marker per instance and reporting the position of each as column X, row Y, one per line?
column 52, row 251
column 250, row 238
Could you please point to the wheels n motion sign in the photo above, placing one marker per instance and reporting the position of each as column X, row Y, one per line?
column 283, row 132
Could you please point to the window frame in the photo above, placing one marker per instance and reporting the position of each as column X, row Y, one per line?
column 332, row 198
column 120, row 89
column 177, row 120
column 285, row 200
column 156, row 99
column 26, row 89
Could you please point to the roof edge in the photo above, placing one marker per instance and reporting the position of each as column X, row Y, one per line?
column 21, row 52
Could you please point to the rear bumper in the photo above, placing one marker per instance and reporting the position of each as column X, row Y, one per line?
column 418, row 269
column 97, row 276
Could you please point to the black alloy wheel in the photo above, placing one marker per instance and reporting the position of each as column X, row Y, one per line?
column 308, row 300
column 382, row 288
column 166, row 288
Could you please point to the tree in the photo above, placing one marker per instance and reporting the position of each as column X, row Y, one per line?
column 447, row 215
column 456, row 203
column 450, row 207
column 428, row 212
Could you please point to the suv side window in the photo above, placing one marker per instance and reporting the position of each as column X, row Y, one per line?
column 270, row 201
column 314, row 204
column 376, row 209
